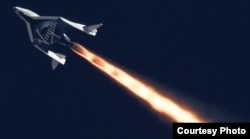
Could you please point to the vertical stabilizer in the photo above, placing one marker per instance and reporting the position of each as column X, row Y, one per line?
column 54, row 64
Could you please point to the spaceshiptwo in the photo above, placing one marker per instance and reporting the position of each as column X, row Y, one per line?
column 45, row 31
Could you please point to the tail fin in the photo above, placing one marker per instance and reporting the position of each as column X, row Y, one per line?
column 92, row 30
column 54, row 62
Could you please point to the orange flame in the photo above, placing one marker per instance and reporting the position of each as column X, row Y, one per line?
column 145, row 92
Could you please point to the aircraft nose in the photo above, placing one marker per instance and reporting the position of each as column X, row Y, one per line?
column 14, row 8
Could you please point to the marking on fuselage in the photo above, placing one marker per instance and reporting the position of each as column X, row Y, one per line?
column 50, row 32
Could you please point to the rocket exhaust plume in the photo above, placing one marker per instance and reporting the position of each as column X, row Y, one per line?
column 159, row 103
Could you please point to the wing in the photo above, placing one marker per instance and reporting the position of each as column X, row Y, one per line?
column 65, row 24
column 31, row 22
column 73, row 24
column 47, row 30
column 40, row 18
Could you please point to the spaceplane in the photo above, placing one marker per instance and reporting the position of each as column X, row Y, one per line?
column 47, row 31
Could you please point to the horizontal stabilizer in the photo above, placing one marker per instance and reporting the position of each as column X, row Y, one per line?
column 92, row 30
column 60, row 55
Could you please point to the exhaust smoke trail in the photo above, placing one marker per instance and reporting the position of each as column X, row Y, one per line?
column 159, row 103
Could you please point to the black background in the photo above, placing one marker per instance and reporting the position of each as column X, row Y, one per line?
column 200, row 50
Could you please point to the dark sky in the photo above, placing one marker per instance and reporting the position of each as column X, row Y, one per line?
column 199, row 50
